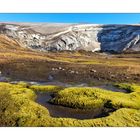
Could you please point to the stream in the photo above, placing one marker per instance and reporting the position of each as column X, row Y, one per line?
column 67, row 112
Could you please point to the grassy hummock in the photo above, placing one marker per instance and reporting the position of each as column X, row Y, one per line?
column 44, row 88
column 87, row 98
column 17, row 107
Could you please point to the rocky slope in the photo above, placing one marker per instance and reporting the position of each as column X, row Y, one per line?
column 89, row 37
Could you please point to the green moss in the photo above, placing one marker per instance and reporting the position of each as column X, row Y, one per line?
column 87, row 98
column 128, row 87
column 17, row 106
column 121, row 118
column 46, row 88
column 23, row 84
column 82, row 98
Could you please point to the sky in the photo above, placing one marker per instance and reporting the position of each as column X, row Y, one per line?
column 105, row 18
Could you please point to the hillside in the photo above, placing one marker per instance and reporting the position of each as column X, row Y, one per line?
column 22, row 57
column 89, row 37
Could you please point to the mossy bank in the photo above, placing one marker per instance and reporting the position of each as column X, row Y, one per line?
column 18, row 106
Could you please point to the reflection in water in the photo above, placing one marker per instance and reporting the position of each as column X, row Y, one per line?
column 66, row 112
column 57, row 83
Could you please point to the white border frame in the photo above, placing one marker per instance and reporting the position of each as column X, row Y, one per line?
column 69, row 6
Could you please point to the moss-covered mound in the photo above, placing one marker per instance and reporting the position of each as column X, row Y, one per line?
column 87, row 98
column 121, row 118
column 18, row 106
column 48, row 88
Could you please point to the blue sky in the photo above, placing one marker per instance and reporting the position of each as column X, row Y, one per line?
column 105, row 18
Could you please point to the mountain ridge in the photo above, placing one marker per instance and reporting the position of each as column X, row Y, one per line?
column 89, row 37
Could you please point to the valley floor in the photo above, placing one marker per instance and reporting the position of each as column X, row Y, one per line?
column 18, row 63
column 30, row 104
column 70, row 67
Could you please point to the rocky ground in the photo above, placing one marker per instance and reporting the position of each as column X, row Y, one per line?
column 90, row 69
column 17, row 63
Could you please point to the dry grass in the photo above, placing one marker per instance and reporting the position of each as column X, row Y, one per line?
column 16, row 62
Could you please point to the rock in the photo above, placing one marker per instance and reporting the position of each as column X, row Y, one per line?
column 76, row 72
column 112, row 76
column 50, row 78
column 127, row 77
column 54, row 69
column 89, row 37
column 92, row 70
column 99, row 78
column 3, row 79
column 72, row 71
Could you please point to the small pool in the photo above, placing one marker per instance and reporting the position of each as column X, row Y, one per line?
column 66, row 112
